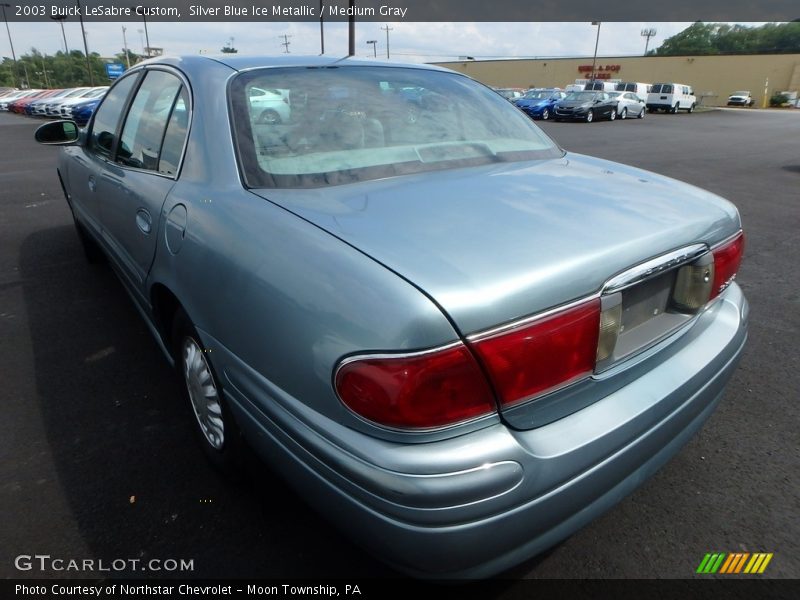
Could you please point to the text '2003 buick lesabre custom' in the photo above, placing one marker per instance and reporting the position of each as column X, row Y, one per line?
column 433, row 321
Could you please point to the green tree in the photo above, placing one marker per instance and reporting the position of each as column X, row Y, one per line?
column 720, row 38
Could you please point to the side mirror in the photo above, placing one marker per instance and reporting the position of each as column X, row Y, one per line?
column 57, row 133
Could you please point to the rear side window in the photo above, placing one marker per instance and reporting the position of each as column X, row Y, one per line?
column 175, row 137
column 140, row 142
column 106, row 120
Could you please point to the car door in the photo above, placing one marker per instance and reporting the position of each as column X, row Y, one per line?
column 606, row 105
column 138, row 180
column 85, row 162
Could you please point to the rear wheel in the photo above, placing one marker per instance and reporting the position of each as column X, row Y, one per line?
column 641, row 114
column 590, row 116
column 269, row 117
column 217, row 431
column 691, row 108
column 624, row 114
column 612, row 115
column 674, row 109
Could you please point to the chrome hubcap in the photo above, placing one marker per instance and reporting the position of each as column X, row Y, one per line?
column 203, row 393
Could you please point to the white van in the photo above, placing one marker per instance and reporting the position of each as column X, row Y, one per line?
column 637, row 87
column 671, row 97
column 599, row 86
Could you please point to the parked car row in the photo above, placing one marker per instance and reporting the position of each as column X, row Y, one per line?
column 583, row 105
column 75, row 103
column 594, row 102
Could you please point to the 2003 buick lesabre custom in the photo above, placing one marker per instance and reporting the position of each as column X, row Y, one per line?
column 445, row 329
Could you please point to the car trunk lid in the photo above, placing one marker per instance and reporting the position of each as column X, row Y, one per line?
column 498, row 243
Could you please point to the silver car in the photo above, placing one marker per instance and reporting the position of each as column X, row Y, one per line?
column 629, row 105
column 450, row 332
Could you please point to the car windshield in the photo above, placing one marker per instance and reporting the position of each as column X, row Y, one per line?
column 741, row 93
column 537, row 95
column 347, row 124
column 615, row 94
column 580, row 96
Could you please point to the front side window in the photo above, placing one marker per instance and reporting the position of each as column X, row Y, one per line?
column 336, row 125
column 107, row 117
column 140, row 142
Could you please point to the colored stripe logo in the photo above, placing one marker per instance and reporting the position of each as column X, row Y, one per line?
column 733, row 563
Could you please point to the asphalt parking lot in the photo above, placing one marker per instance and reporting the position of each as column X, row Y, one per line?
column 98, row 460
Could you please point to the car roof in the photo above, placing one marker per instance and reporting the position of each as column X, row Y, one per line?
column 241, row 63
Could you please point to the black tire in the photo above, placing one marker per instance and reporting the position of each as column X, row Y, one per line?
column 269, row 117
column 691, row 109
column 545, row 114
column 674, row 109
column 641, row 113
column 229, row 456
column 624, row 114
column 590, row 116
column 652, row 110
column 612, row 116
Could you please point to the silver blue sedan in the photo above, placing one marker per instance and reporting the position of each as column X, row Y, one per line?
column 459, row 342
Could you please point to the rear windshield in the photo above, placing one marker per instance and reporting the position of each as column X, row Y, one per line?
column 581, row 96
column 310, row 127
column 662, row 88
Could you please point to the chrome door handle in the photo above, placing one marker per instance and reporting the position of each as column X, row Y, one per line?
column 143, row 220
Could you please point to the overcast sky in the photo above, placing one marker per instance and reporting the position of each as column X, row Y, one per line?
column 413, row 42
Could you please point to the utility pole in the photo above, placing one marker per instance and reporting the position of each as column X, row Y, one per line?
column 387, row 29
column 285, row 43
column 85, row 45
column 44, row 70
column 13, row 55
column 374, row 47
column 648, row 33
column 321, row 29
column 125, row 45
column 596, row 42
column 61, row 19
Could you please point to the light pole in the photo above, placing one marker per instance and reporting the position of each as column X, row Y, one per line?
column 143, row 8
column 374, row 47
column 125, row 45
column 351, row 29
column 61, row 19
column 648, row 33
column 321, row 29
column 13, row 54
column 596, row 43
column 85, row 44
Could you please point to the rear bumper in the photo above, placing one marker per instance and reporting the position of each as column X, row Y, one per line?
column 478, row 504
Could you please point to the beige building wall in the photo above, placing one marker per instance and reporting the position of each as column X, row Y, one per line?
column 714, row 77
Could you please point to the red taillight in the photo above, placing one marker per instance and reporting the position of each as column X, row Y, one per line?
column 418, row 391
column 542, row 355
column 727, row 259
